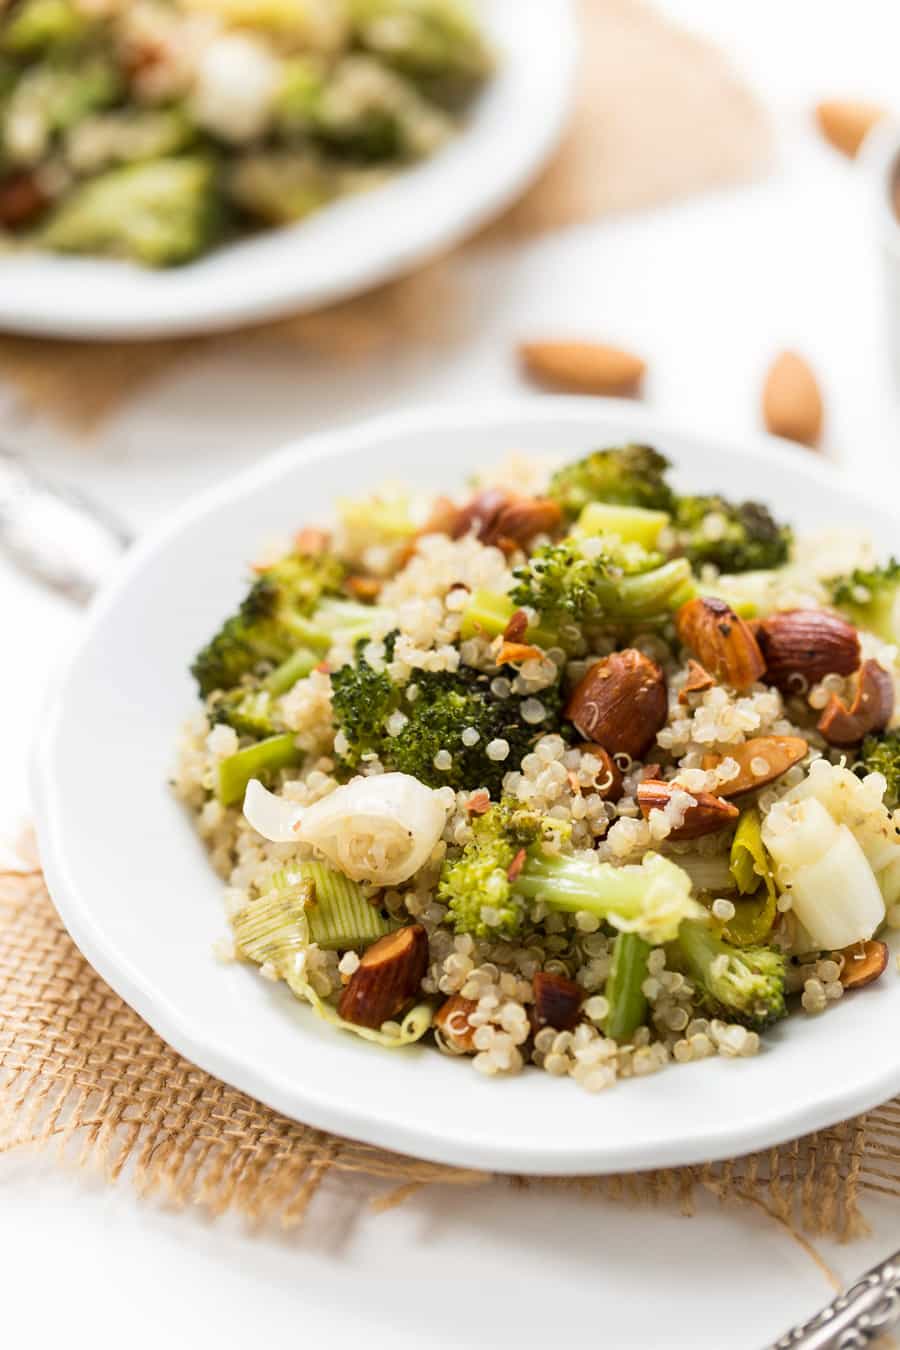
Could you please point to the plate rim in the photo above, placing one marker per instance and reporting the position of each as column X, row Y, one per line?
column 280, row 299
column 353, row 1120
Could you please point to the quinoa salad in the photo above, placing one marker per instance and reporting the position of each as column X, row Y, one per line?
column 153, row 130
column 568, row 771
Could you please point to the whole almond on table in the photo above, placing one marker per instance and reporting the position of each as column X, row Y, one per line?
column 722, row 643
column 387, row 978
column 708, row 814
column 582, row 367
column 792, row 401
column 620, row 703
column 845, row 122
column 802, row 646
column 760, row 760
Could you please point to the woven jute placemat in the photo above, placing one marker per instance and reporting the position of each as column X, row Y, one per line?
column 81, row 1072
column 659, row 114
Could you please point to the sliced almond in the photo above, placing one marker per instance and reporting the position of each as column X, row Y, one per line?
column 452, row 1021
column 697, row 682
column 802, row 646
column 557, row 1001
column 479, row 803
column 517, row 627
column 792, row 401
column 514, row 653
column 871, row 709
column 506, row 519
column 863, row 963
column 621, row 703
column 387, row 978
column 845, row 122
column 777, row 753
column 582, row 367
column 722, row 643
column 708, row 814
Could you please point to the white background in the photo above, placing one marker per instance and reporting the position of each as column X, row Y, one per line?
column 707, row 291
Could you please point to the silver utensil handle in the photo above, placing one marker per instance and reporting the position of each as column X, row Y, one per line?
column 856, row 1318
column 55, row 534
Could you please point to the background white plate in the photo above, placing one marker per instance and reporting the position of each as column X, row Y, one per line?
column 133, row 886
column 345, row 247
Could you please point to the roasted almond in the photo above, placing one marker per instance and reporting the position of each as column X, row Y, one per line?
column 609, row 781
column 505, row 519
column 443, row 518
column 708, row 814
column 863, row 963
column 697, row 682
column 21, row 199
column 761, row 760
column 557, row 1001
column 722, row 643
column 792, row 401
column 363, row 588
column 312, row 541
column 620, row 703
column 387, row 977
column 452, row 1021
column 871, row 709
column 802, row 646
column 582, row 367
column 845, row 123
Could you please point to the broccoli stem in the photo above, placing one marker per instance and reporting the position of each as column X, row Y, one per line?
column 630, row 524
column 666, row 587
column 624, row 992
column 255, row 761
column 487, row 614
column 285, row 676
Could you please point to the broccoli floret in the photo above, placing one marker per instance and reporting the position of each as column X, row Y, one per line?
column 629, row 475
column 274, row 620
column 739, row 984
column 252, row 707
column 486, row 894
column 869, row 598
column 881, row 754
column 426, row 39
column 163, row 212
column 733, row 536
column 436, row 714
column 584, row 582
column 37, row 26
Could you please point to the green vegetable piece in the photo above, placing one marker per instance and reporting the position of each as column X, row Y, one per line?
column 36, row 26
column 275, row 927
column 487, row 614
column 871, row 599
column 744, row 538
column 628, row 475
column 299, row 91
column 261, row 760
column 281, row 186
column 251, row 709
column 423, row 38
column 749, row 863
column 630, row 524
column 159, row 213
column 340, row 915
column 627, row 1001
column 746, row 986
column 881, row 754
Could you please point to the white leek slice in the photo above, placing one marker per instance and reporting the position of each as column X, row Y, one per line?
column 381, row 829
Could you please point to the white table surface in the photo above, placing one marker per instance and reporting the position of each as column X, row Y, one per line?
column 707, row 290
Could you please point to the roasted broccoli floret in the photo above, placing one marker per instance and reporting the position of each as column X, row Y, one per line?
column 162, row 212
column 36, row 26
column 426, row 39
column 507, row 866
column 881, row 754
column 629, row 475
column 738, row 984
column 869, row 598
column 581, row 581
column 287, row 608
column 733, row 536
column 444, row 727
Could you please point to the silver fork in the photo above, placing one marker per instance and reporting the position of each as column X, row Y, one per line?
column 856, row 1318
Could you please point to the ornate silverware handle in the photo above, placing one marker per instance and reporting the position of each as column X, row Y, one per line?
column 856, row 1318
column 55, row 534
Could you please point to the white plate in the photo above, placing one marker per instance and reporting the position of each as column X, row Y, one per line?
column 133, row 885
column 346, row 247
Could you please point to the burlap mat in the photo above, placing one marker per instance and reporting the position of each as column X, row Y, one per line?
column 660, row 114
column 80, row 1070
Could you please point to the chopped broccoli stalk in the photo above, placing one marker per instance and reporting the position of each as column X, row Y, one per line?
column 738, row 984
column 261, row 760
column 881, row 754
column 339, row 913
column 651, row 899
column 159, row 213
column 568, row 583
column 869, row 597
column 629, row 475
column 624, row 987
column 442, row 732
column 630, row 524
column 250, row 708
column 487, row 614
column 732, row 536
column 274, row 620
column 300, row 88
column 385, row 515
column 36, row 26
